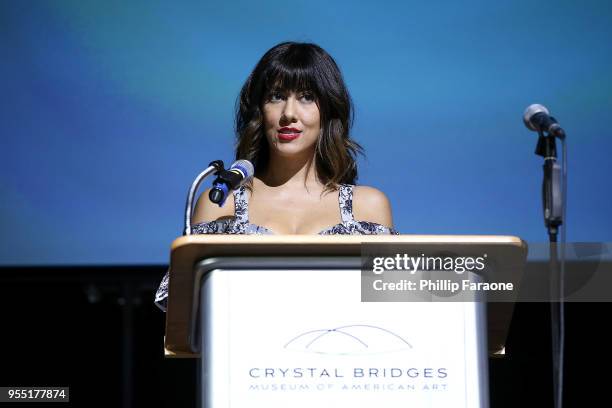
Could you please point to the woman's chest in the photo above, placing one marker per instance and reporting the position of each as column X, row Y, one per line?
column 295, row 215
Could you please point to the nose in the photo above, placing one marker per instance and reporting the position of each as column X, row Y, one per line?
column 289, row 114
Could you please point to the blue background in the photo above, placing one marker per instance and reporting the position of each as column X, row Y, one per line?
column 110, row 108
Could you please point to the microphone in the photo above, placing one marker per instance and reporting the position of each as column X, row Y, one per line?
column 537, row 118
column 213, row 168
column 229, row 180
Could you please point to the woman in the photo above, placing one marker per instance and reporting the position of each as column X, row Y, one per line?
column 292, row 122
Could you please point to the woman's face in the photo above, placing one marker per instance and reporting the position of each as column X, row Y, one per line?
column 292, row 122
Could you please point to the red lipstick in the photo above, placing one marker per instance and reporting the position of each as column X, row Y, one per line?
column 288, row 134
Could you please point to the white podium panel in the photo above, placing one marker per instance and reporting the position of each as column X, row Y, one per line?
column 303, row 338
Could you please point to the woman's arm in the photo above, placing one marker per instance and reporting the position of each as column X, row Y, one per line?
column 370, row 204
column 205, row 210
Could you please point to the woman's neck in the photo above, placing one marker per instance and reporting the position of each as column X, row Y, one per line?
column 290, row 172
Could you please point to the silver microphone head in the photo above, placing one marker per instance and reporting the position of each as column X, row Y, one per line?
column 245, row 168
column 532, row 110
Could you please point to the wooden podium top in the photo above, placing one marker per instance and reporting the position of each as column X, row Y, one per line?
column 187, row 251
column 351, row 240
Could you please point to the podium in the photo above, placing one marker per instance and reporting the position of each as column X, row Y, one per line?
column 280, row 321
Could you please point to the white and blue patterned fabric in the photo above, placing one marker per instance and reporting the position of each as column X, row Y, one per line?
column 240, row 224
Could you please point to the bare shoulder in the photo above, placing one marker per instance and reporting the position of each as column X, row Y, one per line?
column 371, row 204
column 206, row 210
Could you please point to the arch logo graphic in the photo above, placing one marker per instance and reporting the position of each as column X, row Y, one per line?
column 352, row 339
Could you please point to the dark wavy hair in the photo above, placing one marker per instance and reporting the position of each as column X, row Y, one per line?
column 300, row 67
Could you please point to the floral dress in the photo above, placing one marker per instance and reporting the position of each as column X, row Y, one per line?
column 240, row 225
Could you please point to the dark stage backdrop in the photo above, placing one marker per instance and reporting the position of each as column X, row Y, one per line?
column 94, row 330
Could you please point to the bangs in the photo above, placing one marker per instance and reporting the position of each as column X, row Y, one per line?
column 296, row 73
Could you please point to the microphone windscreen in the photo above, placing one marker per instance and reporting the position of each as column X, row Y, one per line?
column 245, row 167
column 531, row 111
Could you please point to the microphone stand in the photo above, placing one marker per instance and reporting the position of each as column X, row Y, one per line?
column 553, row 195
column 551, row 187
column 214, row 167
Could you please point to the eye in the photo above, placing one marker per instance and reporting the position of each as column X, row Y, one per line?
column 276, row 96
column 307, row 97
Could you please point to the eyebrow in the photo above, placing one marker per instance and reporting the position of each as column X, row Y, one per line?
column 279, row 89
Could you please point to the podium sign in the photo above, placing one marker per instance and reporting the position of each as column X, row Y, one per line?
column 303, row 338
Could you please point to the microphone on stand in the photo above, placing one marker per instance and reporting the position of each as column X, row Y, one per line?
column 213, row 167
column 229, row 180
column 537, row 118
column 226, row 181
column 554, row 191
